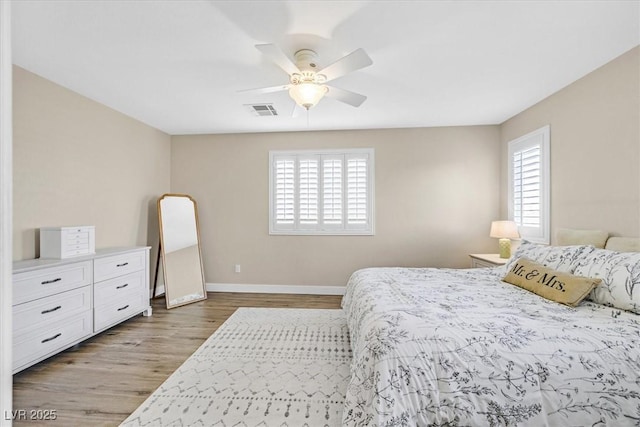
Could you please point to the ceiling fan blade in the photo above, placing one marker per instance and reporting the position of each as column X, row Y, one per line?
column 346, row 96
column 354, row 61
column 274, row 53
column 266, row 89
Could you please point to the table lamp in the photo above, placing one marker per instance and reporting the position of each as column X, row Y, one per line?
column 505, row 231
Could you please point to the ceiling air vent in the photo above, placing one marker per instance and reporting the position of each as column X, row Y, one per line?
column 263, row 110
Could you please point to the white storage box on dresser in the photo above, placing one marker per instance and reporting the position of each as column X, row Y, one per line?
column 59, row 303
column 67, row 242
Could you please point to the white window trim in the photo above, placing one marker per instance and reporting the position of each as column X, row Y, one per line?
column 543, row 234
column 342, row 230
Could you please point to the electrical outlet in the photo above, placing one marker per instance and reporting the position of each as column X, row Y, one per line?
column 237, row 268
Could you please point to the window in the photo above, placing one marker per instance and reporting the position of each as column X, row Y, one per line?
column 321, row 192
column 529, row 190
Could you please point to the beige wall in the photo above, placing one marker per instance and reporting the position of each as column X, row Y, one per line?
column 436, row 194
column 595, row 148
column 77, row 162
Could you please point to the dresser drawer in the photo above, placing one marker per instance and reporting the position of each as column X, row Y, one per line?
column 39, row 313
column 117, row 310
column 118, row 265
column 36, row 284
column 51, row 339
column 115, row 289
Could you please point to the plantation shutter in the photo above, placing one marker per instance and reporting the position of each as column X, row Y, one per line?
column 284, row 171
column 308, row 191
column 526, row 187
column 529, row 185
column 357, row 186
column 332, row 179
column 322, row 192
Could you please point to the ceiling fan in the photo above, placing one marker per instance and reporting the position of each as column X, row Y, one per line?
column 306, row 84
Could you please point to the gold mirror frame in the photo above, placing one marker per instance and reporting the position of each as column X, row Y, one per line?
column 180, row 250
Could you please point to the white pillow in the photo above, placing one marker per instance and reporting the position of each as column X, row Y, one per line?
column 623, row 244
column 561, row 258
column 569, row 236
column 620, row 274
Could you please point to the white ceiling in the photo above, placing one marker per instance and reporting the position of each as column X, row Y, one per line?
column 178, row 65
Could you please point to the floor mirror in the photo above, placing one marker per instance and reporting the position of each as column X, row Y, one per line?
column 180, row 251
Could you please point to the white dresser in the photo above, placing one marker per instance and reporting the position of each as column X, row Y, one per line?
column 59, row 302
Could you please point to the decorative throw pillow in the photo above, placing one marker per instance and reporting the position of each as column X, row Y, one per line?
column 550, row 284
column 620, row 274
column 561, row 258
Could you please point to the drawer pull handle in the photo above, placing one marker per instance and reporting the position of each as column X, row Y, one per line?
column 122, row 286
column 46, row 282
column 52, row 338
column 51, row 310
column 122, row 265
column 122, row 308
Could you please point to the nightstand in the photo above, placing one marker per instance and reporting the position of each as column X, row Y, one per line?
column 487, row 260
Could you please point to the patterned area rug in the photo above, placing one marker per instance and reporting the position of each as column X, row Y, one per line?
column 263, row 367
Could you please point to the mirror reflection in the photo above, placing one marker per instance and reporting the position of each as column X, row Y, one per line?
column 180, row 250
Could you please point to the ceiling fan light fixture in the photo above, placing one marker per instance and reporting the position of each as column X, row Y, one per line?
column 307, row 95
column 306, row 85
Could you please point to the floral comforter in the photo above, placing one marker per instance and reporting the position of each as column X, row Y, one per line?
column 444, row 347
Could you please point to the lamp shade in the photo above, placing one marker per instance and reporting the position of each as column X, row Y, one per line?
column 307, row 94
column 504, row 230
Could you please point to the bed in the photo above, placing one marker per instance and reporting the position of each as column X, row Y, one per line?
column 460, row 347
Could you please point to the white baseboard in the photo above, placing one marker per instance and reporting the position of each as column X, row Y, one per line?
column 275, row 289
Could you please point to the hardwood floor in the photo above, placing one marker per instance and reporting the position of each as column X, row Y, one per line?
column 104, row 379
